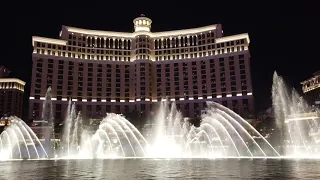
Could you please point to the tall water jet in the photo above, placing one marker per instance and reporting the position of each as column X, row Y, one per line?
column 280, row 100
column 68, row 126
column 168, row 140
column 159, row 121
column 76, row 134
column 48, row 120
column 298, row 122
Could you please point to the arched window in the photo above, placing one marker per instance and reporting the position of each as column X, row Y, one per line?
column 107, row 43
column 111, row 43
column 116, row 44
column 129, row 44
column 182, row 41
column 156, row 44
column 125, row 44
column 102, row 42
column 92, row 41
column 98, row 42
column 212, row 34
column 88, row 41
column 195, row 40
column 120, row 43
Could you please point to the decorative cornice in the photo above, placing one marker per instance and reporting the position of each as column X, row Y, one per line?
column 12, row 80
column 48, row 40
column 132, row 35
column 233, row 38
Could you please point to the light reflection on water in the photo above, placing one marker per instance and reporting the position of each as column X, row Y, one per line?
column 161, row 169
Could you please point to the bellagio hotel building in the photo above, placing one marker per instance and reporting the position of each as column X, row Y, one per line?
column 122, row 72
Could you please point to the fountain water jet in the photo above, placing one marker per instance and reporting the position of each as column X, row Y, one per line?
column 222, row 133
column 22, row 140
column 115, row 137
column 293, row 114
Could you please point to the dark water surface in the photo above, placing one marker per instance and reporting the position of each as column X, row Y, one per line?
column 161, row 169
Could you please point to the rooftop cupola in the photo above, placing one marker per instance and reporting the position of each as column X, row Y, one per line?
column 142, row 23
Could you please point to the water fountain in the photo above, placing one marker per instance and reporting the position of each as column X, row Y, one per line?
column 222, row 134
column 48, row 124
column 115, row 137
column 170, row 133
column 18, row 141
column 298, row 122
column 68, row 143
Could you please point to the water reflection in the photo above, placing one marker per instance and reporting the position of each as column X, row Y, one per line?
column 162, row 169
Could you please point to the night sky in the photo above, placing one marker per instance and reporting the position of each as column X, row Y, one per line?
column 284, row 36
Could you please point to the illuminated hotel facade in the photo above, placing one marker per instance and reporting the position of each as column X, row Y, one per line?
column 311, row 89
column 103, row 71
column 11, row 95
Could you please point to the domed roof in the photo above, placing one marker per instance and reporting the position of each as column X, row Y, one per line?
column 142, row 23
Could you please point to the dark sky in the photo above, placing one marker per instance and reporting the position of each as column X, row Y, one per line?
column 284, row 35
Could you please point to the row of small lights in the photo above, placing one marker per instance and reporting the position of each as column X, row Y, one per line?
column 15, row 87
column 310, row 88
column 147, row 99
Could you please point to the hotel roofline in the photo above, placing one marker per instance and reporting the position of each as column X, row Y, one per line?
column 48, row 40
column 119, row 34
column 137, row 33
column 311, row 83
column 12, row 80
column 12, row 83
column 315, row 75
column 142, row 26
